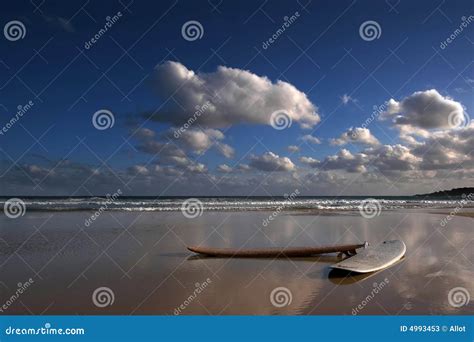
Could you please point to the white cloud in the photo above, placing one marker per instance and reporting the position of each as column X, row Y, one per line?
column 201, row 140
column 138, row 170
column 167, row 170
column 386, row 158
column 224, row 168
column 144, row 133
column 393, row 157
column 345, row 160
column 270, row 161
column 235, row 96
column 345, row 99
column 170, row 154
column 310, row 161
column 423, row 110
column 196, row 168
column 310, row 139
column 447, row 150
column 293, row 148
column 38, row 172
column 226, row 150
column 357, row 135
column 198, row 140
column 244, row 167
column 177, row 160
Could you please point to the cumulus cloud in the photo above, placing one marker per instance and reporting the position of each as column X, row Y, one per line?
column 224, row 168
column 198, row 140
column 424, row 110
column 347, row 161
column 243, row 167
column 310, row 139
column 195, row 140
column 310, row 161
column 226, row 150
column 393, row 157
column 447, row 150
column 36, row 171
column 138, row 170
column 270, row 161
column 144, row 133
column 386, row 158
column 357, row 135
column 443, row 150
column 196, row 167
column 234, row 96
column 293, row 148
column 345, row 99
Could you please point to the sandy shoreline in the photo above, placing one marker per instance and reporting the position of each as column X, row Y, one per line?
column 142, row 259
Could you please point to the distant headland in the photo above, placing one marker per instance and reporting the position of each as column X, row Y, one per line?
column 457, row 192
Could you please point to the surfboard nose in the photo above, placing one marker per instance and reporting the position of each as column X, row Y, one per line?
column 192, row 248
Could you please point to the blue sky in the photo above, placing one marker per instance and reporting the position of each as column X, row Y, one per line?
column 321, row 55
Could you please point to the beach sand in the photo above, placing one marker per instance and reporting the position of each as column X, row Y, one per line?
column 142, row 258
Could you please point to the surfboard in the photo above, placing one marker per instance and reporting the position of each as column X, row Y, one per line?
column 277, row 252
column 374, row 258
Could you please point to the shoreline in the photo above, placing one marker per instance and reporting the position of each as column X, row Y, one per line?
column 282, row 209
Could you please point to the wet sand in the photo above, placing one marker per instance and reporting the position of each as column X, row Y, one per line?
column 142, row 258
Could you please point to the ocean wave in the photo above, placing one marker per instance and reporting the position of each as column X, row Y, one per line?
column 231, row 204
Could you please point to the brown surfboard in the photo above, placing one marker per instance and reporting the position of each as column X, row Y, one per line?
column 278, row 252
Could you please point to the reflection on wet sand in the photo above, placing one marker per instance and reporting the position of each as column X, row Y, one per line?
column 341, row 277
column 150, row 271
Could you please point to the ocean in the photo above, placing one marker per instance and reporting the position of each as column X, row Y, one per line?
column 289, row 203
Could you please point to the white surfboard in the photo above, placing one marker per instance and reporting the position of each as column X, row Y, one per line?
column 374, row 258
